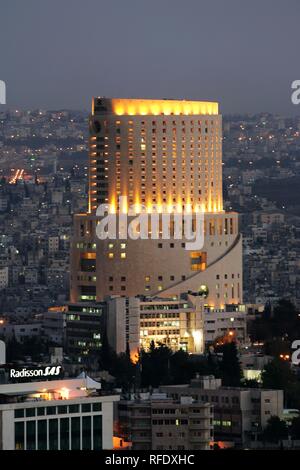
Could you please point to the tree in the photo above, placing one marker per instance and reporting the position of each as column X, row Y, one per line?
column 108, row 356
column 231, row 372
column 277, row 375
column 251, row 383
column 282, row 322
column 155, row 365
column 276, row 430
column 124, row 371
column 295, row 428
column 181, row 369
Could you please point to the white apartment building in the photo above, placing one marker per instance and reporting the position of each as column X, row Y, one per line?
column 185, row 323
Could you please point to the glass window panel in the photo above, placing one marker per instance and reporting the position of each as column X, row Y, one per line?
column 19, row 413
column 62, row 409
column 51, row 410
column 97, row 406
column 75, row 433
column 30, row 412
column 97, row 437
column 86, row 408
column 86, row 432
column 42, row 434
column 53, row 434
column 19, row 435
column 64, row 434
column 41, row 411
column 30, row 435
column 73, row 408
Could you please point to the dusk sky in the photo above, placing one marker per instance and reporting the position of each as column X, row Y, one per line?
column 59, row 53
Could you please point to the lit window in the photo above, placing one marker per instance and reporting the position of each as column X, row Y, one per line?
column 123, row 255
column 110, row 255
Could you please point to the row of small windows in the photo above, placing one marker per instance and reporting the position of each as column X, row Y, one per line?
column 217, row 399
column 159, row 315
column 174, row 122
column 159, row 332
column 226, row 276
column 61, row 409
column 163, row 307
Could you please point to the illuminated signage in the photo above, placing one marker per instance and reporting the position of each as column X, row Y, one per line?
column 35, row 372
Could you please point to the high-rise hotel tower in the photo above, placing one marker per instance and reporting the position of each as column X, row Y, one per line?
column 163, row 153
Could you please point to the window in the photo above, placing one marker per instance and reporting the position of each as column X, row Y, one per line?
column 97, row 406
column 86, row 408
column 53, row 434
column 19, row 435
column 62, row 410
column 74, row 409
column 75, row 433
column 30, row 412
column 19, row 413
column 86, row 432
column 64, row 434
column 97, row 425
column 41, row 411
column 42, row 434
column 51, row 410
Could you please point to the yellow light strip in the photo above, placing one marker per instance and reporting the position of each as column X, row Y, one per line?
column 167, row 107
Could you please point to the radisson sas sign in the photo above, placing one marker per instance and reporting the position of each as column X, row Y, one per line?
column 35, row 372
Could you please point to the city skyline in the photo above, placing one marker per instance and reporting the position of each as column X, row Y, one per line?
column 241, row 56
column 150, row 228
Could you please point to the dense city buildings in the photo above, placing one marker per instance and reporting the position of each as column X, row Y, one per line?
column 183, row 324
column 239, row 414
column 136, row 295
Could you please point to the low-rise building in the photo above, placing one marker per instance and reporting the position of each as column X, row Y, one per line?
column 156, row 422
column 240, row 414
column 56, row 415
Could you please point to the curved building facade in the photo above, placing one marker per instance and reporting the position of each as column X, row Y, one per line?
column 167, row 155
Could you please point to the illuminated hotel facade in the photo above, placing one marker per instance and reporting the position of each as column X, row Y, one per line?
column 162, row 153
